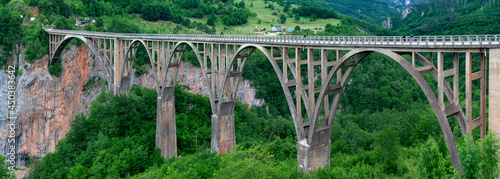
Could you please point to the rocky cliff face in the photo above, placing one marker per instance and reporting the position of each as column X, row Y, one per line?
column 46, row 105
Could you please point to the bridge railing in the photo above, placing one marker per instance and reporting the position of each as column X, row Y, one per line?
column 452, row 40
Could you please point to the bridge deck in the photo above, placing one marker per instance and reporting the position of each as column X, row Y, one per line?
column 444, row 42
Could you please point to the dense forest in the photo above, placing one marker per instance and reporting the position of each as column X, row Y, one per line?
column 117, row 138
column 439, row 17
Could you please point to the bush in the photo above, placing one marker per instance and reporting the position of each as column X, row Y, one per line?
column 480, row 159
column 431, row 163
column 56, row 69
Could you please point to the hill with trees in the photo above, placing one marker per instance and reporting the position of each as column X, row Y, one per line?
column 439, row 17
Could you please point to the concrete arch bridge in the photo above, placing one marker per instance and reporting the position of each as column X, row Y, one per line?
column 223, row 57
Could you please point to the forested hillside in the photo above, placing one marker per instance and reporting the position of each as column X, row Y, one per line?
column 382, row 101
column 439, row 17
column 372, row 11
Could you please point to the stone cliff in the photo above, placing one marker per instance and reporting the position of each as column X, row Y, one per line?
column 46, row 105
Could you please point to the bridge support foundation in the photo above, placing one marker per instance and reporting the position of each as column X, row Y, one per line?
column 166, row 138
column 309, row 158
column 125, row 85
column 494, row 92
column 223, row 135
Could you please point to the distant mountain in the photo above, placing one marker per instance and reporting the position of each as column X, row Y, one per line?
column 404, row 3
column 372, row 11
column 440, row 17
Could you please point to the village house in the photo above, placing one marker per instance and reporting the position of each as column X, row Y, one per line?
column 255, row 31
column 277, row 28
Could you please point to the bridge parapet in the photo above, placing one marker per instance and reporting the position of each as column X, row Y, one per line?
column 432, row 42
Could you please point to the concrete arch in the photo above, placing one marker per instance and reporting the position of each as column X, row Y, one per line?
column 145, row 45
column 299, row 131
column 442, row 120
column 60, row 47
column 200, row 60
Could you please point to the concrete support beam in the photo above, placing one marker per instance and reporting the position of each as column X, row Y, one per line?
column 494, row 92
column 223, row 134
column 166, row 138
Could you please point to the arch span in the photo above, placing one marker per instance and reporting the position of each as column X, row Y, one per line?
column 180, row 48
column 64, row 42
column 441, row 116
column 60, row 47
column 251, row 47
column 128, row 62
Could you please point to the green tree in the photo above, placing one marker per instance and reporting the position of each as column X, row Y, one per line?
column 329, row 28
column 297, row 17
column 490, row 147
column 56, row 69
column 4, row 171
column 388, row 150
column 431, row 163
column 470, row 158
column 480, row 159
column 313, row 17
column 78, row 172
column 211, row 20
column 9, row 32
column 287, row 7
column 122, row 26
column 297, row 28
column 99, row 22
column 151, row 12
column 282, row 19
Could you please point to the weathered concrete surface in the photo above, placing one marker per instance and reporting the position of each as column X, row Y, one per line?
column 166, row 138
column 309, row 158
column 223, row 133
column 494, row 91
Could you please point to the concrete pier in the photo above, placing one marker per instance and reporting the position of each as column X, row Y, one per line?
column 494, row 91
column 166, row 138
column 223, row 133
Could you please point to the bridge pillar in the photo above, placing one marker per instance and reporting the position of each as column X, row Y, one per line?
column 223, row 135
column 125, row 85
column 314, row 155
column 166, row 138
column 317, row 154
column 494, row 91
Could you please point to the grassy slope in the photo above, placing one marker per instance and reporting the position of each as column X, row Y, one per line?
column 266, row 18
column 263, row 14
